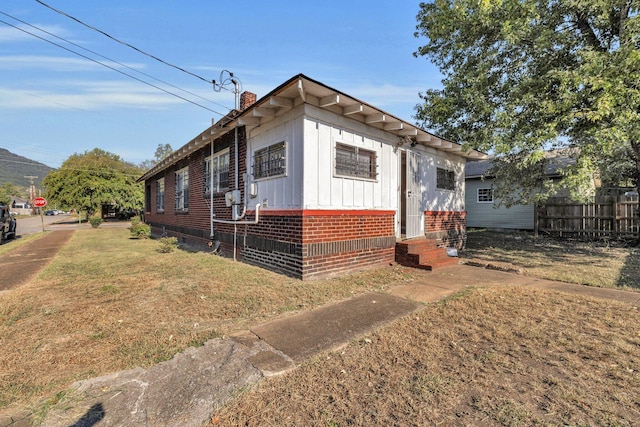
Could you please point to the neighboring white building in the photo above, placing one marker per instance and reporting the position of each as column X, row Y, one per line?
column 482, row 208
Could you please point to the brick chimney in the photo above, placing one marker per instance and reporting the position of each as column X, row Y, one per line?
column 247, row 99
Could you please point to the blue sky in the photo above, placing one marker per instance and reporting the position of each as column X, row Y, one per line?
column 54, row 103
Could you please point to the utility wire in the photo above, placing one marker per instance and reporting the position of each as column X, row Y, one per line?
column 111, row 68
column 122, row 42
column 112, row 60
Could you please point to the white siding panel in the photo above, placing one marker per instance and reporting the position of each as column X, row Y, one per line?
column 284, row 191
column 442, row 200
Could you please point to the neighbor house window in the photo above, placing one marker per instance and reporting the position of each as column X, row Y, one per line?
column 446, row 179
column 485, row 195
column 355, row 162
column 270, row 161
column 182, row 189
column 160, row 195
column 216, row 168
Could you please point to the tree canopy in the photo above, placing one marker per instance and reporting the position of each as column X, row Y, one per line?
column 86, row 181
column 522, row 77
column 162, row 151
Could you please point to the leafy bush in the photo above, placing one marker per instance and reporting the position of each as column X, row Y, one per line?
column 168, row 244
column 140, row 230
column 95, row 221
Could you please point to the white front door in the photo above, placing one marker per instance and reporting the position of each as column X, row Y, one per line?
column 413, row 195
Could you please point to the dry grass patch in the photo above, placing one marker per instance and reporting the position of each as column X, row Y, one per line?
column 108, row 303
column 606, row 264
column 498, row 356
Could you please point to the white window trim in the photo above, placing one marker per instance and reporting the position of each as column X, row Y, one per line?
column 181, row 208
column 484, row 201
column 217, row 155
column 160, row 209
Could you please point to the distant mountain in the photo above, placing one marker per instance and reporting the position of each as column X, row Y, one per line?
column 14, row 168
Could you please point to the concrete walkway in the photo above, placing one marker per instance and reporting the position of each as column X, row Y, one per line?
column 186, row 390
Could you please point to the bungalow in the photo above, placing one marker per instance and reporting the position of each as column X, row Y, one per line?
column 310, row 182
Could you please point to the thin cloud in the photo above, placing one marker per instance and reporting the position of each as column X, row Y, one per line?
column 11, row 35
column 93, row 97
column 55, row 63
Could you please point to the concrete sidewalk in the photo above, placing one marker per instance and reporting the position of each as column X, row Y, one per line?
column 186, row 390
column 447, row 281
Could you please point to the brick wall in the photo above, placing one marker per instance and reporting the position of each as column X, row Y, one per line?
column 300, row 243
column 449, row 228
column 314, row 243
column 193, row 227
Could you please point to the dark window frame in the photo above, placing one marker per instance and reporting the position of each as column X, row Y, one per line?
column 445, row 179
column 355, row 162
column 270, row 161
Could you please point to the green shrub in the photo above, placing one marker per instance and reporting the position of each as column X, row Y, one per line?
column 95, row 221
column 168, row 244
column 140, row 230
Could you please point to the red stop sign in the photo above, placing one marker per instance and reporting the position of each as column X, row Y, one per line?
column 39, row 202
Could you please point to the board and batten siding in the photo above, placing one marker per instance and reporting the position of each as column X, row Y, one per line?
column 284, row 192
column 435, row 199
column 486, row 215
column 325, row 190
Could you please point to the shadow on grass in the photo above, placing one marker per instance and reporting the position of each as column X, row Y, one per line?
column 630, row 273
column 599, row 263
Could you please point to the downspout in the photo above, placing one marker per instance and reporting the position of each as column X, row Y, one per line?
column 234, row 208
column 211, row 191
column 235, row 212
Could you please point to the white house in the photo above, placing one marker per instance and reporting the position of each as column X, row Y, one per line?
column 310, row 181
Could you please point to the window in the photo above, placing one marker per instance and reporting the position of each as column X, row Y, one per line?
column 218, row 168
column 356, row 162
column 270, row 161
column 160, row 195
column 446, row 179
column 182, row 189
column 485, row 195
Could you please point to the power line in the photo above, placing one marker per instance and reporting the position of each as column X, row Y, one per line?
column 111, row 68
column 123, row 42
column 24, row 163
column 112, row 60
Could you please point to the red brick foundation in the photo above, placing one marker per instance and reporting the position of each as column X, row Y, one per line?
column 448, row 228
column 315, row 243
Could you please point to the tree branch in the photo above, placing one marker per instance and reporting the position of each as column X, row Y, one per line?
column 585, row 28
column 624, row 16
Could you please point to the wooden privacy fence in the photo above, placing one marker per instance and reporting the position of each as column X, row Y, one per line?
column 611, row 218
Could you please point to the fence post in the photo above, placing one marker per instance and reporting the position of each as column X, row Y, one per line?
column 536, row 219
column 615, row 219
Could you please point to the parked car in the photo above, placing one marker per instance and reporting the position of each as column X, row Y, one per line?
column 7, row 224
column 50, row 212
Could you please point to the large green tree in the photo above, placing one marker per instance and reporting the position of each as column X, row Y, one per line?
column 525, row 76
column 86, row 181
